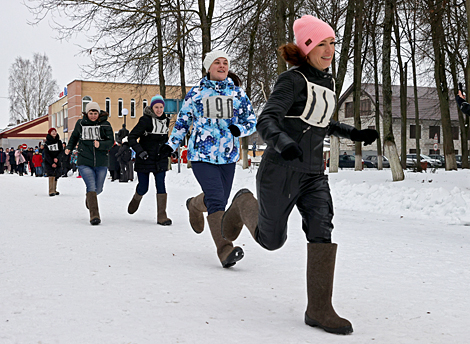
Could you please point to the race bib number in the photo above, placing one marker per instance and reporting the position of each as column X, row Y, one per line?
column 218, row 107
column 54, row 147
column 159, row 127
column 91, row 133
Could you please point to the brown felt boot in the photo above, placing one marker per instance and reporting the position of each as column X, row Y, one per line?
column 134, row 203
column 51, row 186
column 55, row 187
column 162, row 219
column 92, row 201
column 228, row 254
column 196, row 207
column 242, row 211
column 320, row 271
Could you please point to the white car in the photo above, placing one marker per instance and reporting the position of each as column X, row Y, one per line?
column 431, row 162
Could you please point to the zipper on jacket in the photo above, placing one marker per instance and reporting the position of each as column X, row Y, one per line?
column 303, row 133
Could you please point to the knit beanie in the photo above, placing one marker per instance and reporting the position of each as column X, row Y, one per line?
column 50, row 130
column 157, row 99
column 309, row 31
column 212, row 56
column 92, row 106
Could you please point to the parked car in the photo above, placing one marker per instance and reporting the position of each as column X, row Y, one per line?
column 439, row 157
column 374, row 160
column 411, row 158
column 346, row 161
column 459, row 160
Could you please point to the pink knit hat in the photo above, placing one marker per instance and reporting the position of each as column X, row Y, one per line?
column 310, row 31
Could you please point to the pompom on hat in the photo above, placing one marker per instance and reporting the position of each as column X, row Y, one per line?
column 157, row 99
column 212, row 56
column 92, row 106
column 309, row 31
column 50, row 130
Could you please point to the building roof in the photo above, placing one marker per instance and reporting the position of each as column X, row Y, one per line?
column 17, row 130
column 428, row 101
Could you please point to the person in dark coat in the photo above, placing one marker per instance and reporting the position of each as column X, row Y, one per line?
column 95, row 137
column 64, row 161
column 123, row 157
column 146, row 138
column 13, row 166
column 113, row 165
column 29, row 160
column 294, row 123
column 52, row 149
column 3, row 159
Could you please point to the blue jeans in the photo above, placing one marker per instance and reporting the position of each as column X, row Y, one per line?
column 144, row 178
column 38, row 170
column 93, row 177
column 216, row 183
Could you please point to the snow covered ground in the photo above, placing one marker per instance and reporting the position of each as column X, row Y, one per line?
column 402, row 272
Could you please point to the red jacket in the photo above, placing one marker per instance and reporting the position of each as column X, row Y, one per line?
column 37, row 160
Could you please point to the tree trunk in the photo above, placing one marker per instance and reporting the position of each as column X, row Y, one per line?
column 357, row 79
column 376, row 88
column 280, row 19
column 206, row 24
column 161, row 72
column 180, row 31
column 389, row 140
column 438, row 42
column 340, row 75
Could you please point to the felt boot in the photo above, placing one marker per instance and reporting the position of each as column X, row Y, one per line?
column 134, row 203
column 55, row 187
column 196, row 207
column 51, row 186
column 228, row 255
column 162, row 219
column 92, row 201
column 242, row 211
column 320, row 272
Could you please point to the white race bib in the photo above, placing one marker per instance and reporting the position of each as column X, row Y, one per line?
column 218, row 107
column 53, row 147
column 91, row 132
column 159, row 127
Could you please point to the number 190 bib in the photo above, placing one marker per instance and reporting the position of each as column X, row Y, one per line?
column 218, row 107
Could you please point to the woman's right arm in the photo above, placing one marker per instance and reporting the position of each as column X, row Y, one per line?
column 276, row 108
column 74, row 137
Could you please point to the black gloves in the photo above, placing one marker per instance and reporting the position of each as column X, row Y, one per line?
column 165, row 150
column 143, row 155
column 366, row 135
column 292, row 151
column 234, row 130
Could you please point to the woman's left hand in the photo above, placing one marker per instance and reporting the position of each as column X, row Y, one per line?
column 97, row 143
column 461, row 95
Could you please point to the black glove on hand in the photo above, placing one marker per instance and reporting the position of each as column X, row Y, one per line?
column 292, row 151
column 234, row 130
column 166, row 151
column 143, row 155
column 366, row 135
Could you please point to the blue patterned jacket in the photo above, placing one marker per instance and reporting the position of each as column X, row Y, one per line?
column 211, row 107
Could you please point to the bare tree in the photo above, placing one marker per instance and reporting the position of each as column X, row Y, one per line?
column 31, row 88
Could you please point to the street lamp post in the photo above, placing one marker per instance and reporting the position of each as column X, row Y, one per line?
column 124, row 114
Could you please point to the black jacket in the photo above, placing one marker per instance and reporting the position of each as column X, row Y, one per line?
column 52, row 149
column 113, row 163
column 463, row 105
column 288, row 98
column 124, row 153
column 152, row 133
column 85, row 133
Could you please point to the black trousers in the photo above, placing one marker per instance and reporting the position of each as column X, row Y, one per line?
column 279, row 189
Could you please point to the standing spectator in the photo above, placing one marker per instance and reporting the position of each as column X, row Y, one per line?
column 3, row 159
column 123, row 157
column 64, row 161
column 37, row 163
column 95, row 137
column 7, row 160
column 52, row 150
column 29, row 159
column 41, row 151
column 12, row 160
column 19, row 159
column 113, row 165
column 220, row 112
column 146, row 138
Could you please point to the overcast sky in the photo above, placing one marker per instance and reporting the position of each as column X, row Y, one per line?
column 18, row 38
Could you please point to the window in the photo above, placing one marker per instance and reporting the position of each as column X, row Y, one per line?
column 435, row 130
column 432, row 151
column 120, row 102
column 53, row 120
column 144, row 105
column 85, row 101
column 132, row 108
column 413, row 131
column 349, row 110
column 371, row 127
column 455, row 133
column 365, row 107
column 108, row 106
